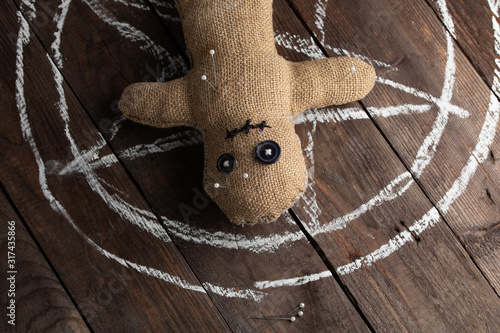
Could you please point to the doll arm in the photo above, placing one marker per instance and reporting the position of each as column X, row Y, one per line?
column 158, row 104
column 329, row 81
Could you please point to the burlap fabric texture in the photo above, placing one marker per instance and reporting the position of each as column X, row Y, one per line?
column 252, row 82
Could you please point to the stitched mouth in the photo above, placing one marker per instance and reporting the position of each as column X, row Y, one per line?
column 246, row 129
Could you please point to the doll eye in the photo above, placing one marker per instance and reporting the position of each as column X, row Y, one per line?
column 226, row 163
column 268, row 152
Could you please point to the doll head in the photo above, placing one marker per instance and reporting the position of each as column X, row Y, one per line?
column 242, row 96
column 257, row 171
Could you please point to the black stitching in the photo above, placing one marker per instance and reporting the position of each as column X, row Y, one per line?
column 246, row 128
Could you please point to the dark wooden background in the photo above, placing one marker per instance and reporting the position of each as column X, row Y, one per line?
column 398, row 231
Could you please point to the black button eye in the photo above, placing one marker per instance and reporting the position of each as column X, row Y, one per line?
column 226, row 163
column 268, row 152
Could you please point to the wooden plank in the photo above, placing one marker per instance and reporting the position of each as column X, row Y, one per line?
column 243, row 269
column 40, row 302
column 170, row 18
column 98, row 245
column 468, row 204
column 402, row 277
column 472, row 26
column 476, row 29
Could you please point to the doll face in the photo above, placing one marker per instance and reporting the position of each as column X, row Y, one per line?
column 257, row 172
column 254, row 167
column 241, row 95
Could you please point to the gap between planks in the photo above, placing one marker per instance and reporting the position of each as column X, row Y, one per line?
column 44, row 255
column 481, row 75
column 127, row 171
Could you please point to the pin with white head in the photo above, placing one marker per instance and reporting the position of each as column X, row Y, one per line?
column 301, row 306
column 217, row 185
column 212, row 52
column 245, row 175
column 204, row 78
column 290, row 316
column 351, row 71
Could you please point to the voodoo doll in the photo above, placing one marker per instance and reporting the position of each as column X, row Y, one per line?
column 242, row 96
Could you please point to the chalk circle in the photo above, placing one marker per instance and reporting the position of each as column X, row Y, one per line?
column 269, row 242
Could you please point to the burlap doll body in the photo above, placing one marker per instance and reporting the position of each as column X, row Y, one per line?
column 254, row 167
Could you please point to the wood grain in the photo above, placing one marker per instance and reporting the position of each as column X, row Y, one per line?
column 416, row 283
column 132, row 173
column 77, row 229
column 41, row 303
column 475, row 33
column 171, row 183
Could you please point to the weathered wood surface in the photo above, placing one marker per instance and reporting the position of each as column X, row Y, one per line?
column 472, row 213
column 233, row 292
column 136, row 174
column 481, row 236
column 41, row 304
column 403, row 218
column 89, row 241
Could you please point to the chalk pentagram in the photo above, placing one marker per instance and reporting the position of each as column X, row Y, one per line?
column 86, row 163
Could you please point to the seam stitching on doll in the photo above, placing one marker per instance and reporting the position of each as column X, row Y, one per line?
column 246, row 128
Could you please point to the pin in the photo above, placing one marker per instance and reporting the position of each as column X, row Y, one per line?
column 353, row 69
column 217, row 185
column 212, row 52
column 204, row 78
column 290, row 316
column 279, row 317
column 245, row 175
column 301, row 306
column 292, row 319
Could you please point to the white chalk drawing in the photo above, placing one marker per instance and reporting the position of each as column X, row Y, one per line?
column 87, row 162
